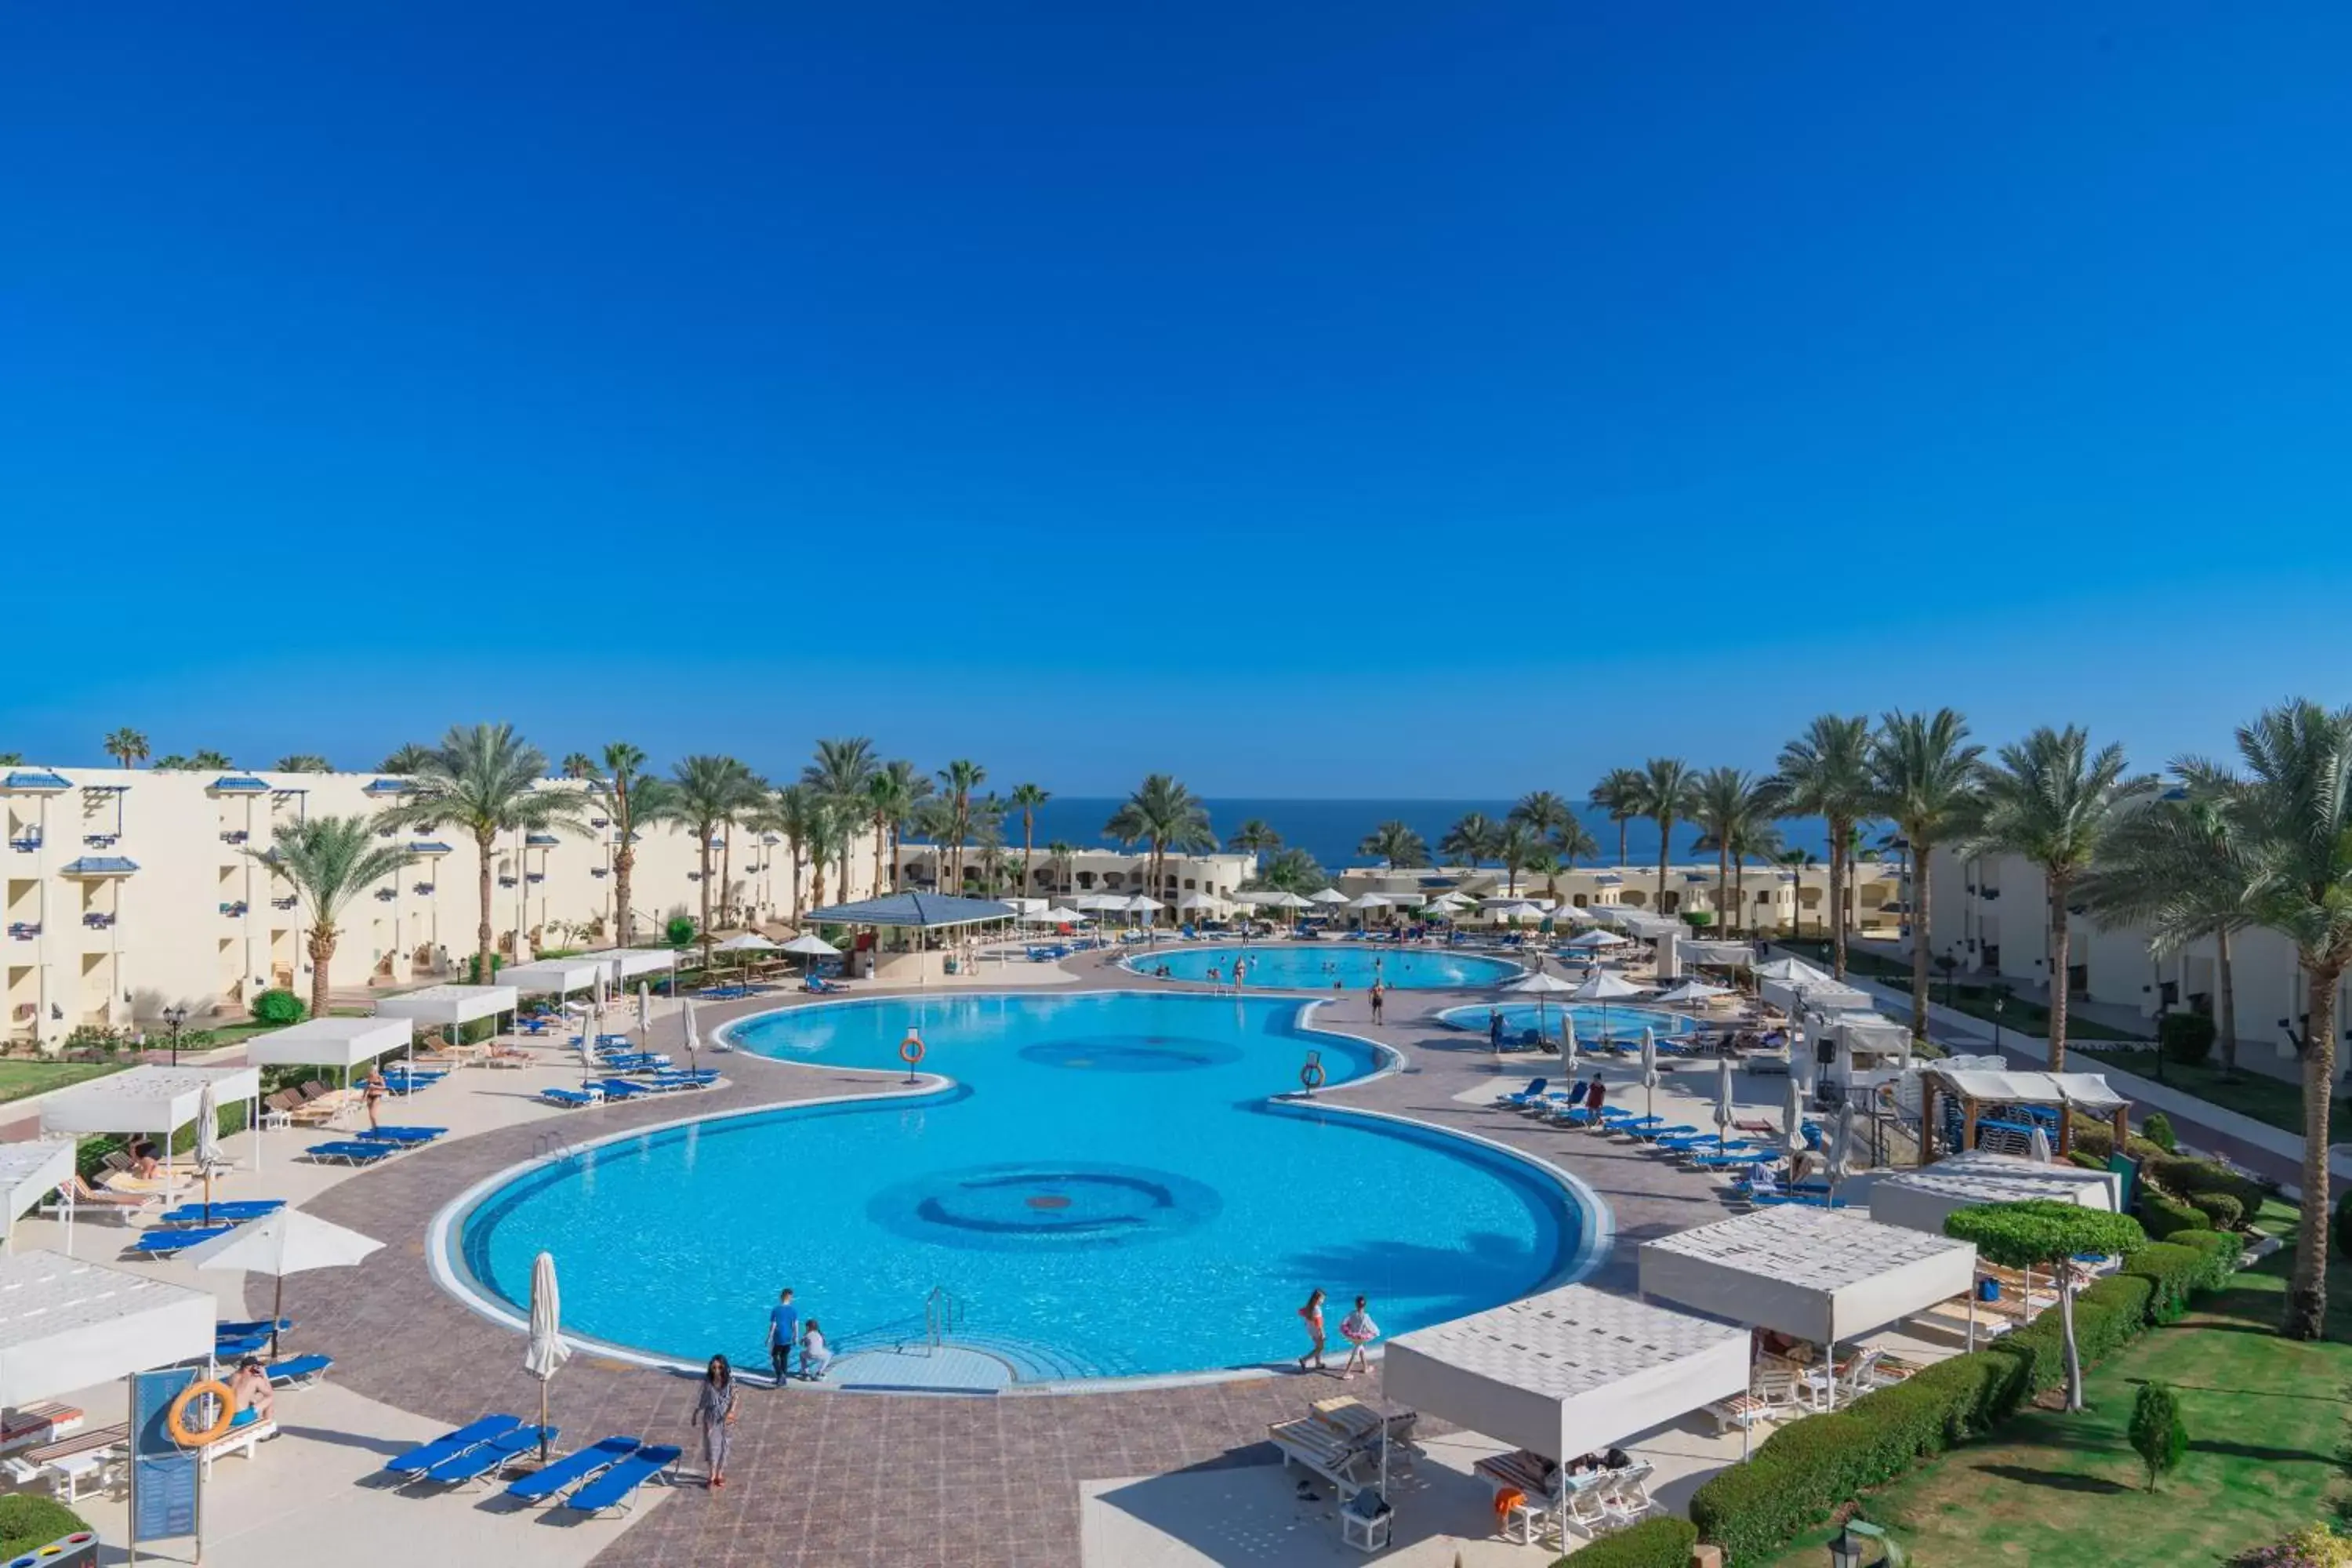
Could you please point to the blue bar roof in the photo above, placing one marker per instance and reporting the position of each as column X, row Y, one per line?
column 387, row 786
column 237, row 783
column 427, row 847
column 34, row 779
column 101, row 865
column 540, row 840
column 924, row 910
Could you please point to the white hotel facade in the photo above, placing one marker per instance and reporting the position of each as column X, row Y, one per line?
column 129, row 890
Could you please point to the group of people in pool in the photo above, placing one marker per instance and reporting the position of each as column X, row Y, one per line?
column 1357, row 1328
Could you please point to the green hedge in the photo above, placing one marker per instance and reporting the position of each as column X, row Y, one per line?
column 2190, row 1176
column 1654, row 1543
column 2164, row 1218
column 27, row 1522
column 2224, row 1211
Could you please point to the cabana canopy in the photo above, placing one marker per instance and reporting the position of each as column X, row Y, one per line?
column 449, row 1004
column 1822, row 996
column 30, row 1172
column 925, row 911
column 67, row 1325
column 1920, row 1199
column 624, row 963
column 1567, row 1372
column 553, row 976
column 1819, row 1274
column 1650, row 928
column 331, row 1042
column 161, row 1099
column 1717, row 954
column 1975, row 1088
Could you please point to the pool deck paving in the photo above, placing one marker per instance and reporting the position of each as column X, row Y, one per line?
column 823, row 1477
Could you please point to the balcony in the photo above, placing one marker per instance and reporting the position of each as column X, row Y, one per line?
column 385, row 895
column 422, row 889
column 236, row 907
column 97, row 920
column 287, row 902
column 599, row 872
column 599, row 822
column 101, row 840
column 27, row 842
column 234, row 836
column 506, row 881
column 536, row 877
column 25, row 930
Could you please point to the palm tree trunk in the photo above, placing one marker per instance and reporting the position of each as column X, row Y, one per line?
column 726, row 874
column 2060, row 946
column 796, row 883
column 1028, row 847
column 485, row 946
column 1624, row 825
column 1837, row 898
column 2306, row 1300
column 881, row 838
column 1722, row 881
column 323, row 954
column 703, row 836
column 625, row 860
column 2226, row 985
column 1739, row 892
column 1919, row 940
column 2073, row 1348
column 1665, row 837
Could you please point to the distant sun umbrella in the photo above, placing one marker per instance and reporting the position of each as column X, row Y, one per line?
column 1649, row 1071
column 1726, row 1113
column 209, row 1149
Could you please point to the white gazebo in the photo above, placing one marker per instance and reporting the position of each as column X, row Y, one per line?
column 331, row 1042
column 1823, row 1275
column 157, row 1101
column 30, row 1172
column 1717, row 954
column 67, row 1325
column 1920, row 1199
column 622, row 964
column 449, row 1006
column 552, row 976
column 1567, row 1372
column 1822, row 996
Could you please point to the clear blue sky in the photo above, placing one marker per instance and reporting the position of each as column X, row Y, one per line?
column 1415, row 399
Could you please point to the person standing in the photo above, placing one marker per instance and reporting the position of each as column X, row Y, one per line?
column 1377, row 994
column 1359, row 1330
column 783, row 1333
column 1311, row 1315
column 714, row 1411
column 1495, row 1027
column 373, row 1091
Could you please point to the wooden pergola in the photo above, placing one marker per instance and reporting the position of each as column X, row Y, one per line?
column 1975, row 1088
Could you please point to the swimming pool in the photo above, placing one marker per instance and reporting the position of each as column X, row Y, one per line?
column 1620, row 1021
column 1105, row 1191
column 1319, row 965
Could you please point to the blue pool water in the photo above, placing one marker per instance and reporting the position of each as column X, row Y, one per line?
column 1318, row 965
column 1621, row 1022
column 1106, row 1192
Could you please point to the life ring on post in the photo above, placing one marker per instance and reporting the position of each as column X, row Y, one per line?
column 910, row 1049
column 1310, row 1077
column 175, row 1419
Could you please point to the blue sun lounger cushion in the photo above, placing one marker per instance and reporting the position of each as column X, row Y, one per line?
column 299, row 1371
column 487, row 1459
column 163, row 1243
column 221, row 1213
column 617, row 1487
column 353, row 1152
column 542, row 1485
column 424, row 1456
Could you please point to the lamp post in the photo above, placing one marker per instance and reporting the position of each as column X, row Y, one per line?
column 1999, row 1001
column 1948, row 961
column 2163, row 1007
column 176, row 1016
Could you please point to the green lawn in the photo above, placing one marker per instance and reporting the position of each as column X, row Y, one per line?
column 2267, row 1433
column 19, row 1078
column 2268, row 1099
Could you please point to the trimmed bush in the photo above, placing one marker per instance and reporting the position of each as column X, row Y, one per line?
column 1653, row 1544
column 275, row 1006
column 27, row 1521
column 2223, row 1210
column 2159, row 1435
column 2172, row 1271
column 2188, row 1176
column 2087, row 1160
column 679, row 930
column 2223, row 1250
column 2159, row 1131
column 2185, row 1037
column 2165, row 1218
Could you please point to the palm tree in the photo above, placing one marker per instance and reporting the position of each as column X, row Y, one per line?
column 831, row 823
column 2054, row 801
column 711, row 792
column 1662, row 793
column 1541, row 813
column 1471, row 839
column 1061, row 855
column 1619, row 794
column 211, row 758
column 962, row 777
column 169, row 763
column 127, row 746
column 2181, row 870
column 1025, row 799
column 578, row 765
column 1291, row 871
column 330, row 860
column 1395, row 845
column 1164, row 814
column 1255, row 836
column 1923, row 774
column 1754, row 836
column 1825, row 772
column 790, row 813
column 1573, row 840
column 892, row 791
column 1720, row 799
column 484, row 782
column 409, row 759
column 1517, row 846
column 1797, row 862
column 303, row 762
column 2294, row 809
column 630, row 800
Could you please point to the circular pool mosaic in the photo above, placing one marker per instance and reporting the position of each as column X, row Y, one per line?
column 995, row 1207
column 1134, row 1053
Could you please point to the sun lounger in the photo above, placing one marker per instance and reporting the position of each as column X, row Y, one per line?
column 351, row 1153
column 544, row 1484
column 1317, row 1447
column 424, row 1456
column 163, row 1243
column 622, row 1089
column 1737, row 1411
column 299, row 1371
column 123, row 1182
column 221, row 1213
column 1527, row 1096
column 571, row 1099
column 488, row 1458
column 410, row 1135
column 87, row 1200
column 1952, row 1318
column 615, row 1489
column 242, row 1439
column 237, row 1347
column 32, row 1424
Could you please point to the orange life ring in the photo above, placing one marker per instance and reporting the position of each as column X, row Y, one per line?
column 910, row 1049
column 176, row 1420
column 1310, row 1077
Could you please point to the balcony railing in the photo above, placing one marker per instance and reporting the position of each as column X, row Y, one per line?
column 385, row 895
column 27, row 842
column 97, row 920
column 598, row 871
column 234, row 836
column 100, row 840
column 25, row 930
column 535, row 877
column 506, row 881
column 287, row 902
column 236, row 907
column 599, row 822
column 423, row 890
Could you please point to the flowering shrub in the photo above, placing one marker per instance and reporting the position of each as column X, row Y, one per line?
column 2315, row 1546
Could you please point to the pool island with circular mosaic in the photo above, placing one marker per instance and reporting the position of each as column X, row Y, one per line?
column 1110, row 1186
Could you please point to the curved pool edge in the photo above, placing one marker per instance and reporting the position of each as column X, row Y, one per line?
column 1517, row 971
column 1597, row 1239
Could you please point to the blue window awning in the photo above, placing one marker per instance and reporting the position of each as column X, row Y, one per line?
column 540, row 840
column 237, row 783
column 101, row 865
column 428, row 847
column 386, row 786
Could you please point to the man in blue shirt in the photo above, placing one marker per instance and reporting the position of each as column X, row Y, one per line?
column 783, row 1333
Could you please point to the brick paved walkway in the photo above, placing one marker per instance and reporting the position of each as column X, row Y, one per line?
column 831, row 1480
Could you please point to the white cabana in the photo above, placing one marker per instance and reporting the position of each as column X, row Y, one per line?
column 448, row 1006
column 1567, row 1372
column 67, row 1325
column 1717, row 955
column 1920, row 1199
column 331, row 1042
column 1327, row 896
column 1823, row 996
column 622, row 964
column 30, row 1172
column 1594, row 941
column 1604, row 987
column 1792, row 968
column 1651, row 928
column 1823, row 1275
column 149, row 1099
column 1692, row 992
column 552, row 976
column 1194, row 903
column 748, row 942
column 1062, row 917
